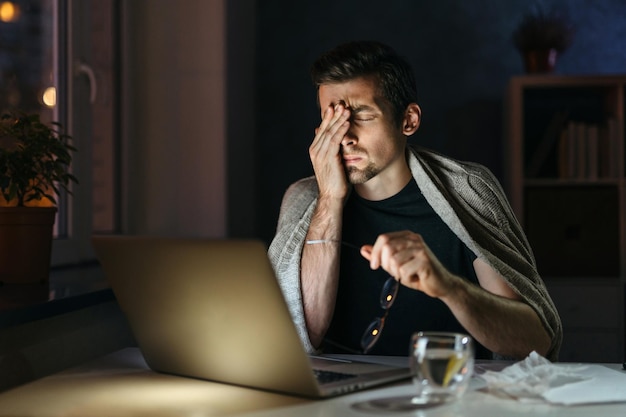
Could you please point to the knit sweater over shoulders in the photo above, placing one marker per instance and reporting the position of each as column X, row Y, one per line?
column 467, row 197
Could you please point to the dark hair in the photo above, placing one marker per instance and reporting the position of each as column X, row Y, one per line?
column 394, row 75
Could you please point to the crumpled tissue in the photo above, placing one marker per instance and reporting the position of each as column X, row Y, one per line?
column 537, row 379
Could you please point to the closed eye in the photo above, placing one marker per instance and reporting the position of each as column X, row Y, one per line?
column 363, row 113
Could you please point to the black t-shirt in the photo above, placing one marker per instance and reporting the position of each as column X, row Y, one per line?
column 358, row 298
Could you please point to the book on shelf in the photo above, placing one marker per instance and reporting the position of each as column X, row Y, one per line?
column 581, row 148
column 588, row 151
column 613, row 144
column 591, row 144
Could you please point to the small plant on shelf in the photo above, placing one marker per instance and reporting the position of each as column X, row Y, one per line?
column 35, row 163
column 541, row 35
column 34, row 160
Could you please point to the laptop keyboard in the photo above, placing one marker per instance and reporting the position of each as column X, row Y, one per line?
column 325, row 377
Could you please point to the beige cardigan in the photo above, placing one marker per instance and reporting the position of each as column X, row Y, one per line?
column 469, row 200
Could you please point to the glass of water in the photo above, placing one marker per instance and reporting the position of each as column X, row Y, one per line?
column 442, row 365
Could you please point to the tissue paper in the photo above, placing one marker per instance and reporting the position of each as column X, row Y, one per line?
column 537, row 379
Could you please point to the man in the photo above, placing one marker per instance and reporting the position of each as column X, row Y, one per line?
column 441, row 228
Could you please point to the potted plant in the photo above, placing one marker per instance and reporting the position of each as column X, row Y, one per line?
column 34, row 167
column 541, row 36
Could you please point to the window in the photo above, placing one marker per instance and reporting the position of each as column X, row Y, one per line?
column 59, row 58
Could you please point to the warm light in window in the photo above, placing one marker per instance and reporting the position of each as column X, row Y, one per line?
column 49, row 97
column 9, row 12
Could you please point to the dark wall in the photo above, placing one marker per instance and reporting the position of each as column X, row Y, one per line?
column 462, row 54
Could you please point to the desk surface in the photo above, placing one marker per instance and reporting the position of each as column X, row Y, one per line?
column 121, row 384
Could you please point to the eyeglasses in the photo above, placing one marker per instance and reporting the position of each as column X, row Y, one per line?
column 373, row 331
column 387, row 297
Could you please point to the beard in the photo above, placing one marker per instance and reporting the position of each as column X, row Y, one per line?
column 361, row 176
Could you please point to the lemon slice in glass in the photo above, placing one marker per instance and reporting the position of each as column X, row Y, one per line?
column 455, row 363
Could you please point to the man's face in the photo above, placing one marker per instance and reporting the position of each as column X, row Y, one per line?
column 374, row 145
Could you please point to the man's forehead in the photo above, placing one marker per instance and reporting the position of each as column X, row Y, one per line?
column 354, row 93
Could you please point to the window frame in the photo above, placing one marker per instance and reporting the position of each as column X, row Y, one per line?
column 74, row 111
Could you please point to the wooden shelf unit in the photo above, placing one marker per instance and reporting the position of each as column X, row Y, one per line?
column 565, row 175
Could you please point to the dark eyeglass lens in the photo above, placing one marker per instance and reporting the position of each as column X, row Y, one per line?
column 387, row 297
column 389, row 292
column 371, row 335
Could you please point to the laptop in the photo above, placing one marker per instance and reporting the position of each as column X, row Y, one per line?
column 212, row 309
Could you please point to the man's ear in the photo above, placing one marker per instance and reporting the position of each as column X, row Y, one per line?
column 412, row 118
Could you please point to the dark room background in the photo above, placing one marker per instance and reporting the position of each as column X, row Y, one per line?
column 462, row 54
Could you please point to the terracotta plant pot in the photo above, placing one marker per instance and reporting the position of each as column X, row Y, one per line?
column 540, row 61
column 25, row 244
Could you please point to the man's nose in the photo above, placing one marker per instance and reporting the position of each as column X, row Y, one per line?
column 349, row 139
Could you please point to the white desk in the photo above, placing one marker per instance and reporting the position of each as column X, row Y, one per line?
column 121, row 384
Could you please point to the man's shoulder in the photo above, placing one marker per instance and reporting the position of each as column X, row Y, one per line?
column 306, row 182
column 302, row 189
column 469, row 180
column 304, row 185
column 433, row 155
column 448, row 165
